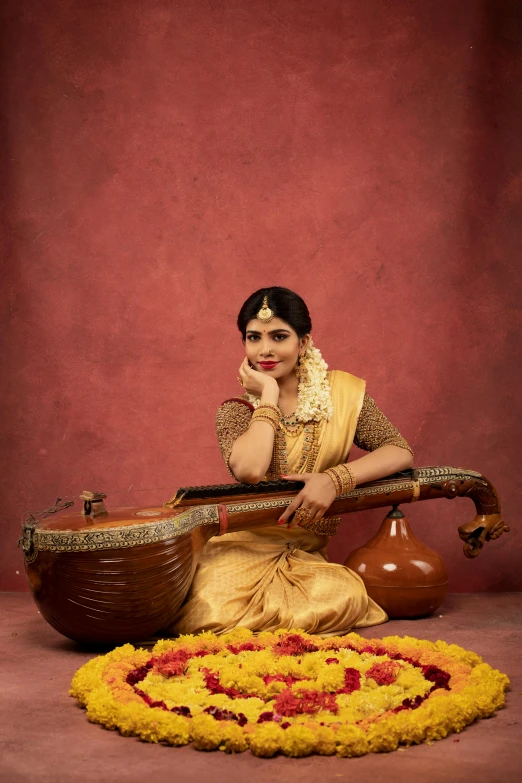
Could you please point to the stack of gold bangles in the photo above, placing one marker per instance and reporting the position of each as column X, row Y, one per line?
column 343, row 479
column 265, row 411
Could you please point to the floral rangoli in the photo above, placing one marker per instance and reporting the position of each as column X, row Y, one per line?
column 289, row 692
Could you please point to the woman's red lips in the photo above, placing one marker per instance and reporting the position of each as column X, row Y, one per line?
column 268, row 365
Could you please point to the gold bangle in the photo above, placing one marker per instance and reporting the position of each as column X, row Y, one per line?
column 343, row 478
column 267, row 421
column 266, row 413
column 336, row 480
column 269, row 407
column 347, row 478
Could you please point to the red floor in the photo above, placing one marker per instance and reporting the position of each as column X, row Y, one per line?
column 44, row 735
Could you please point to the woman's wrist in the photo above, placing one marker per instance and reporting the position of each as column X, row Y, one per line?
column 270, row 393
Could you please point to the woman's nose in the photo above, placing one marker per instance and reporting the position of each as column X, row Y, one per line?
column 265, row 349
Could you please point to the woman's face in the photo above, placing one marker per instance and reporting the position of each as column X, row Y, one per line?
column 273, row 347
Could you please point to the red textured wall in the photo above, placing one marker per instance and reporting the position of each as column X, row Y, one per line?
column 165, row 158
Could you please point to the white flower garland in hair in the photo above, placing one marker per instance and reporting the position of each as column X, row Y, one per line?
column 314, row 401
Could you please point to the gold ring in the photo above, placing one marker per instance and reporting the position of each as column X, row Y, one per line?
column 239, row 380
column 302, row 515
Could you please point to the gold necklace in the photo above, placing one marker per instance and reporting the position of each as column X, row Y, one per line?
column 308, row 455
column 292, row 433
column 290, row 420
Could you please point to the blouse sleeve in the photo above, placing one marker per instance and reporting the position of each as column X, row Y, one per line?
column 232, row 420
column 375, row 430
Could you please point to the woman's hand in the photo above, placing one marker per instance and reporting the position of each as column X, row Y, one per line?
column 317, row 495
column 255, row 382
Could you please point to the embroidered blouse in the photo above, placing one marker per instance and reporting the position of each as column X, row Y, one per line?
column 374, row 429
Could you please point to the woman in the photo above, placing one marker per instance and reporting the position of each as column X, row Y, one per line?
column 296, row 421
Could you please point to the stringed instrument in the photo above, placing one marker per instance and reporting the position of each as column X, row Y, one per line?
column 120, row 575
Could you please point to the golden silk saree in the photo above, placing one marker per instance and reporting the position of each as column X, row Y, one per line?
column 275, row 577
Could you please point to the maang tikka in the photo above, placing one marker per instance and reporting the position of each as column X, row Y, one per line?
column 265, row 314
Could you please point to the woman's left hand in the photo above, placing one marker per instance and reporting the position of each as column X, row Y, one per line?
column 316, row 496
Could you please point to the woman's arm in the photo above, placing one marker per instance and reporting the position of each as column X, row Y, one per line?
column 389, row 452
column 251, row 453
column 382, row 462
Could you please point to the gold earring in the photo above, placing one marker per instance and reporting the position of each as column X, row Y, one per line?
column 299, row 369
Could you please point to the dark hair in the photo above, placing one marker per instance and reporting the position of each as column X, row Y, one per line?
column 284, row 303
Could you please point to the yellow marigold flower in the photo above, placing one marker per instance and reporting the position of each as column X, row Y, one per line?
column 103, row 708
column 382, row 737
column 350, row 741
column 273, row 688
column 458, row 653
column 164, row 727
column 298, row 741
column 252, row 709
column 237, row 636
column 330, row 677
column 132, row 718
column 266, row 638
column 266, row 740
column 324, row 741
column 409, row 728
column 164, row 645
column 206, row 732
column 348, row 714
column 233, row 738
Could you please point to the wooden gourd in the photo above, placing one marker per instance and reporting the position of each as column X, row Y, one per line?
column 404, row 576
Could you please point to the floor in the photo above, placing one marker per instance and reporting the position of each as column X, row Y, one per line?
column 44, row 735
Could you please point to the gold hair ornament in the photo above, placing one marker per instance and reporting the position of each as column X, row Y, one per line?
column 265, row 314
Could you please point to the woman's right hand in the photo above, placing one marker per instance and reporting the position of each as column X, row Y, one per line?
column 255, row 382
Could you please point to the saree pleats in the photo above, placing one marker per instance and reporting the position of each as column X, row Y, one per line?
column 272, row 578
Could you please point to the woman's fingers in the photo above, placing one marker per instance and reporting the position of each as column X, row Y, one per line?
column 291, row 509
column 297, row 477
column 242, row 372
column 246, row 366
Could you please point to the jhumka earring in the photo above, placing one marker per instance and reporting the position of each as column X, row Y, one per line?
column 265, row 314
column 299, row 370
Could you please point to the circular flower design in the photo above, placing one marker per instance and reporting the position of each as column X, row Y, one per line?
column 289, row 692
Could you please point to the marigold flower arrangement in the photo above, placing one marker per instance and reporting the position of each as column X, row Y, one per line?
column 289, row 692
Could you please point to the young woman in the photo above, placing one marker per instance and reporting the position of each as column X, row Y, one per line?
column 295, row 421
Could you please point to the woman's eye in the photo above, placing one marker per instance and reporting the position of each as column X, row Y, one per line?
column 280, row 337
column 253, row 338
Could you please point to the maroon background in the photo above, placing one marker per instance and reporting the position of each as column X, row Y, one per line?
column 165, row 159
